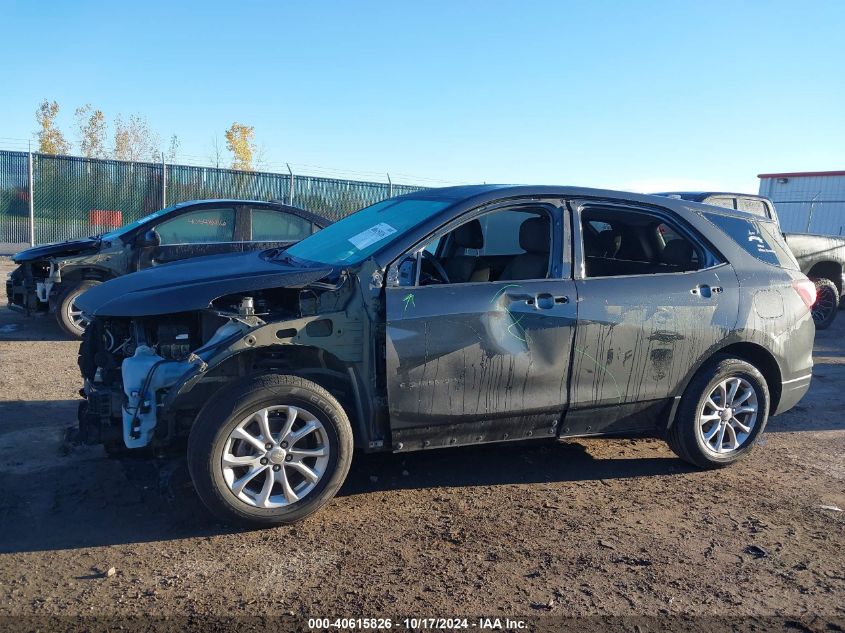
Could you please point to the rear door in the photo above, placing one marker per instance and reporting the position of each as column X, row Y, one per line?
column 653, row 299
column 207, row 230
column 485, row 357
column 270, row 227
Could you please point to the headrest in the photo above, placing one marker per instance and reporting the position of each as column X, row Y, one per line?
column 609, row 243
column 469, row 235
column 534, row 235
column 677, row 252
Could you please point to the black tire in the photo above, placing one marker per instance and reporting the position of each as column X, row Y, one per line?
column 64, row 305
column 684, row 437
column 227, row 408
column 827, row 303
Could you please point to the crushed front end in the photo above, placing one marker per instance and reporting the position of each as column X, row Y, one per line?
column 28, row 287
column 146, row 378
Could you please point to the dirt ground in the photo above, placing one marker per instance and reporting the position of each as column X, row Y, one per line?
column 587, row 527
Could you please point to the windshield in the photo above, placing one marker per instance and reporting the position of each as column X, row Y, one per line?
column 111, row 235
column 361, row 234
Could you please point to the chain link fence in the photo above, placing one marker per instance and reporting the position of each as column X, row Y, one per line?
column 70, row 197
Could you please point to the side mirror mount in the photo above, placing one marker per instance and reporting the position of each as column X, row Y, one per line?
column 149, row 239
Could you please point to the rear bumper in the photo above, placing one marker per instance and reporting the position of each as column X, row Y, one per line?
column 792, row 391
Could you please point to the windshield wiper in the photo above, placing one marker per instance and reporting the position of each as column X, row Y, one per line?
column 282, row 257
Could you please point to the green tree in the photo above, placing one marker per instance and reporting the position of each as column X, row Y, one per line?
column 92, row 131
column 50, row 138
column 240, row 141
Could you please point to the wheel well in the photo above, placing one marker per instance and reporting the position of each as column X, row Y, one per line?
column 312, row 363
column 828, row 270
column 763, row 360
column 82, row 274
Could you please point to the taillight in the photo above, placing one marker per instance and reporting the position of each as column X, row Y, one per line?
column 806, row 289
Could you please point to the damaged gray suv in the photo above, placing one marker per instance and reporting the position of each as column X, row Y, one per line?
column 444, row 318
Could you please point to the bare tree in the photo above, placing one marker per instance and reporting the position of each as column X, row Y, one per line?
column 261, row 157
column 173, row 149
column 216, row 152
column 133, row 140
column 240, row 141
column 92, row 131
column 50, row 138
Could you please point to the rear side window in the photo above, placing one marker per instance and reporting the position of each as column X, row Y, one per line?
column 621, row 242
column 269, row 225
column 759, row 239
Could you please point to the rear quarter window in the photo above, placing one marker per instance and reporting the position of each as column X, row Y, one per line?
column 760, row 239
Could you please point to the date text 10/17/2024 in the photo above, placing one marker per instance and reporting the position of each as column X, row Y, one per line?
column 422, row 623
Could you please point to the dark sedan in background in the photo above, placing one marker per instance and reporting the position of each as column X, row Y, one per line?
column 49, row 278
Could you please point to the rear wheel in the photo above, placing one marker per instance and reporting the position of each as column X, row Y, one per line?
column 721, row 414
column 827, row 302
column 269, row 450
column 68, row 315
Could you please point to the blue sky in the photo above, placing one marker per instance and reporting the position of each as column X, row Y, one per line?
column 630, row 95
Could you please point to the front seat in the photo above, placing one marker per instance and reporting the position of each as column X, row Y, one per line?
column 678, row 253
column 464, row 268
column 534, row 262
column 609, row 243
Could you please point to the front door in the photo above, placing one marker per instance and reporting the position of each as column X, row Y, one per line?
column 480, row 323
column 195, row 233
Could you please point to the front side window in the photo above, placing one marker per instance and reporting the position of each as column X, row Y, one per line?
column 506, row 245
column 621, row 242
column 199, row 227
column 270, row 225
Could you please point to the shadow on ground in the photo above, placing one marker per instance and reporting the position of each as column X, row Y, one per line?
column 58, row 494
column 61, row 495
column 16, row 326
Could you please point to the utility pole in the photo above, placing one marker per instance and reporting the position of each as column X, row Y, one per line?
column 163, row 182
column 389, row 186
column 31, row 200
column 290, row 189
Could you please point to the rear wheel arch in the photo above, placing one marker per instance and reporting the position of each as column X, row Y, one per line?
column 752, row 353
column 764, row 361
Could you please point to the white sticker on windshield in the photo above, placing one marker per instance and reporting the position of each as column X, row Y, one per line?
column 371, row 235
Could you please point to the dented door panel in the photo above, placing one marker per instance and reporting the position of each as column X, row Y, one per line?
column 478, row 351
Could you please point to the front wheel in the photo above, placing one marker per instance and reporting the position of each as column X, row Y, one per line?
column 827, row 302
column 269, row 450
column 68, row 315
column 721, row 414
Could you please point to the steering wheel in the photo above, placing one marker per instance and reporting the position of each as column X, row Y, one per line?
column 438, row 268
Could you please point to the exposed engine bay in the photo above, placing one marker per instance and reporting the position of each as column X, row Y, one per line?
column 145, row 378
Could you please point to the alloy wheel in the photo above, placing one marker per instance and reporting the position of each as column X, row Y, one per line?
column 276, row 456
column 76, row 317
column 728, row 416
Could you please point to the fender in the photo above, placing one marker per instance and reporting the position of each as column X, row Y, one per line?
column 333, row 332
